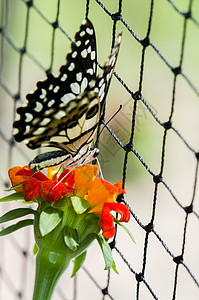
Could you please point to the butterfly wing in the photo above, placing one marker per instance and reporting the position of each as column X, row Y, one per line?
column 72, row 130
column 104, row 78
column 44, row 105
column 64, row 111
column 72, row 125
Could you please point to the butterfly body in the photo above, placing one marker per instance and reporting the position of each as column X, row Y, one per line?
column 64, row 158
column 64, row 111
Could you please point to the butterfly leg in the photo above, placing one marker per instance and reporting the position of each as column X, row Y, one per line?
column 100, row 169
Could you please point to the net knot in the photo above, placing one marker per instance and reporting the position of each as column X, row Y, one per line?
column 167, row 125
column 19, row 295
column 116, row 16
column 55, row 24
column 177, row 70
column 145, row 42
column 29, row 3
column 157, row 178
column 139, row 277
column 187, row 14
column 12, row 142
column 112, row 244
column 137, row 95
column 149, row 227
column 120, row 198
column 197, row 155
column 25, row 253
column 128, row 147
column 105, row 291
column 188, row 209
column 17, row 97
column 178, row 259
column 7, row 185
column 23, row 50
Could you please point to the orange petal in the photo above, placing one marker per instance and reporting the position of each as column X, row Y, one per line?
column 16, row 179
column 52, row 172
column 84, row 177
column 99, row 192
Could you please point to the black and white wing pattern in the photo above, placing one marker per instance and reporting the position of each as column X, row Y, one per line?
column 64, row 111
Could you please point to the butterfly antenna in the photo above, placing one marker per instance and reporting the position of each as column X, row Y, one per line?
column 111, row 118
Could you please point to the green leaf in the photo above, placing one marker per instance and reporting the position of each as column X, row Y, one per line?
column 80, row 205
column 71, row 238
column 114, row 268
column 126, row 229
column 17, row 187
column 49, row 219
column 16, row 213
column 17, row 226
column 13, row 197
column 79, row 260
column 106, row 251
column 35, row 249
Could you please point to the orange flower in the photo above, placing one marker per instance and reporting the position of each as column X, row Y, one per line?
column 82, row 182
column 102, row 191
column 101, row 195
column 84, row 176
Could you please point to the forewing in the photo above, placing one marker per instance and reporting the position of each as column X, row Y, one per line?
column 70, row 127
column 104, row 78
column 54, row 92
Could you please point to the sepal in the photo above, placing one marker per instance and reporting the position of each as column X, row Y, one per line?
column 35, row 249
column 80, row 205
column 79, row 260
column 126, row 229
column 71, row 238
column 106, row 251
column 49, row 219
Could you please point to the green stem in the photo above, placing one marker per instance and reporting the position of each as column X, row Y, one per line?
column 49, row 267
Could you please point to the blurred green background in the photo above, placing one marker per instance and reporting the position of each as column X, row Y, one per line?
column 166, row 34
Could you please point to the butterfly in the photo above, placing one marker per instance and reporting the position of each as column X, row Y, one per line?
column 64, row 111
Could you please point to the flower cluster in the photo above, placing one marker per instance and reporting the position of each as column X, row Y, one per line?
column 81, row 182
column 72, row 209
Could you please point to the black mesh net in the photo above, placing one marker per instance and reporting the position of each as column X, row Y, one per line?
column 151, row 143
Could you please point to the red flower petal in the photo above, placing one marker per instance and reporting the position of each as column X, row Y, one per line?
column 106, row 223
column 31, row 189
column 106, row 219
column 26, row 171
column 53, row 191
column 69, row 179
